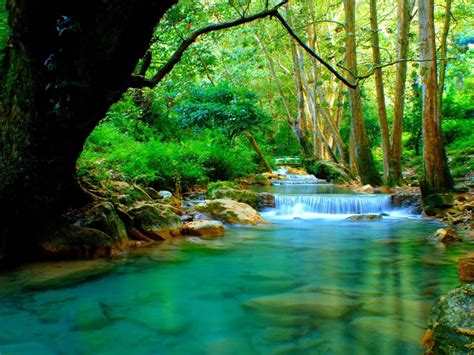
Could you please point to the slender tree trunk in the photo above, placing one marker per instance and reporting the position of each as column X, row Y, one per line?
column 364, row 159
column 403, row 14
column 257, row 149
column 436, row 176
column 443, row 61
column 67, row 62
column 384, row 130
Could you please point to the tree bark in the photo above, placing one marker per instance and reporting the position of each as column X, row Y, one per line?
column 403, row 13
column 67, row 63
column 436, row 176
column 382, row 110
column 364, row 160
column 442, row 62
column 257, row 149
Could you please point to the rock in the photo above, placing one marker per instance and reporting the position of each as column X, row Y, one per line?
column 403, row 199
column 366, row 189
column 89, row 317
column 165, row 195
column 387, row 328
column 466, row 268
column 230, row 211
column 203, row 228
column 244, row 196
column 155, row 220
column 461, row 188
column 126, row 193
column 74, row 242
column 265, row 200
column 103, row 217
column 313, row 304
column 434, row 203
column 282, row 334
column 364, row 217
column 446, row 235
column 194, row 240
column 64, row 273
column 451, row 325
column 155, row 195
column 26, row 349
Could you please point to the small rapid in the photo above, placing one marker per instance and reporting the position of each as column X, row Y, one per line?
column 331, row 204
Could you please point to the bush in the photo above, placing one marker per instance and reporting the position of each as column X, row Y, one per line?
column 326, row 171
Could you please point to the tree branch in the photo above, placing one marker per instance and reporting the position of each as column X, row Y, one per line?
column 312, row 53
column 139, row 81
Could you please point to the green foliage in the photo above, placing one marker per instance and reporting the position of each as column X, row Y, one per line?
column 323, row 170
column 223, row 107
column 4, row 30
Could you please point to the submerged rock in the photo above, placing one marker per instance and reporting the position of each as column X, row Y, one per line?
column 451, row 323
column 466, row 268
column 203, row 228
column 445, row 235
column 364, row 217
column 389, row 328
column 314, row 304
column 230, row 211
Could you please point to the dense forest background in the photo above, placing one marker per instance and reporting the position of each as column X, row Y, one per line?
column 252, row 81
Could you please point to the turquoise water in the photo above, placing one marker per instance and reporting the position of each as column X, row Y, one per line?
column 296, row 286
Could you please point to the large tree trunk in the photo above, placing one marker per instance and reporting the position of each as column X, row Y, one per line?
column 384, row 130
column 257, row 150
column 403, row 14
column 436, row 176
column 67, row 62
column 364, row 159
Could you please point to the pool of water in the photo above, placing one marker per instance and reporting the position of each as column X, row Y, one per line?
column 296, row 286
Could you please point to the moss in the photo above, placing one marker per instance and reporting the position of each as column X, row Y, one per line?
column 245, row 196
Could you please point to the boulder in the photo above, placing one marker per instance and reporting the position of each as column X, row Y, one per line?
column 265, row 200
column 122, row 192
column 466, row 268
column 203, row 229
column 155, row 195
column 312, row 304
column 435, row 203
column 103, row 217
column 74, row 242
column 366, row 189
column 154, row 220
column 451, row 325
column 461, row 187
column 445, row 235
column 245, row 196
column 230, row 211
column 364, row 217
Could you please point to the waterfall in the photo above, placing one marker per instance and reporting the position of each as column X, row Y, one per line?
column 295, row 205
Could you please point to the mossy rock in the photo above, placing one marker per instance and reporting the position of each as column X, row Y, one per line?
column 156, row 221
column 451, row 324
column 220, row 185
column 435, row 203
column 244, row 196
column 103, row 217
column 75, row 242
column 230, row 211
column 327, row 171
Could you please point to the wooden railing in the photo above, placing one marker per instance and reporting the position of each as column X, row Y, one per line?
column 288, row 160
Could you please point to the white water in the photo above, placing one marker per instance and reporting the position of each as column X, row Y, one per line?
column 290, row 206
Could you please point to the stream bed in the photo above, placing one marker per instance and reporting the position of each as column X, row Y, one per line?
column 309, row 283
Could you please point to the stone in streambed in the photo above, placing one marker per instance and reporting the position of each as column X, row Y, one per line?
column 203, row 229
column 466, row 268
column 229, row 211
column 315, row 304
column 159, row 319
column 89, row 316
column 389, row 328
column 451, row 323
column 283, row 334
column 365, row 217
column 445, row 235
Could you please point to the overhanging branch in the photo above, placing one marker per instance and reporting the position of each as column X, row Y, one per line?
column 139, row 81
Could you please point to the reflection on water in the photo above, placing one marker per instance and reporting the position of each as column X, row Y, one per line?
column 320, row 286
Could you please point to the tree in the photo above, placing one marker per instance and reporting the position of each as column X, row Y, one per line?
column 436, row 175
column 404, row 18
column 363, row 155
column 382, row 109
column 64, row 66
